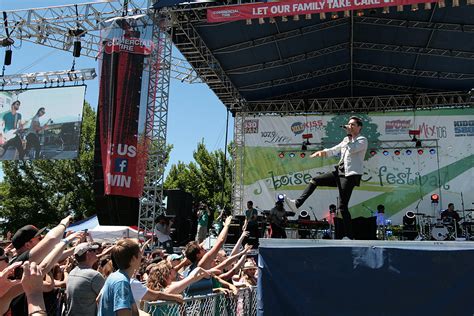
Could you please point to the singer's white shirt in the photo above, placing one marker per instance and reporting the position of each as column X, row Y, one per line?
column 352, row 153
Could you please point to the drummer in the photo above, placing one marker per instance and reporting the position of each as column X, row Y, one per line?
column 449, row 214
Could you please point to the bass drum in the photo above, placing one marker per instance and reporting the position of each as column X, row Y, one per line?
column 440, row 233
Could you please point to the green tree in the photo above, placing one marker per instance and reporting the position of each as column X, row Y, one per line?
column 203, row 177
column 334, row 133
column 43, row 191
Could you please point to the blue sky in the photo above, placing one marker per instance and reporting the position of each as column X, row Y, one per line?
column 194, row 113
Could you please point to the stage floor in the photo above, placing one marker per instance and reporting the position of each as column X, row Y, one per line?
column 359, row 277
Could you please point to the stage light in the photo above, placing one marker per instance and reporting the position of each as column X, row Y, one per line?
column 284, row 18
column 434, row 198
column 322, row 16
column 272, row 20
column 420, row 151
column 414, row 7
column 386, row 153
column 386, row 10
column 261, row 20
column 302, row 155
column 427, row 6
column 399, row 8
column 441, row 4
column 432, row 151
column 397, row 152
column 408, row 152
column 296, row 17
column 307, row 16
column 373, row 153
column 334, row 15
column 455, row 3
column 347, row 14
column 281, row 155
column 292, row 155
column 409, row 219
column 360, row 13
column 248, row 22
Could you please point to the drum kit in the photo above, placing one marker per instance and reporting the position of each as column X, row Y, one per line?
column 431, row 228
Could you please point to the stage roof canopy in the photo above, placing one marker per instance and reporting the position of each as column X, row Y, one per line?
column 376, row 54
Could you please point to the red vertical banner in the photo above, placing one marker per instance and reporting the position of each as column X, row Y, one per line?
column 122, row 106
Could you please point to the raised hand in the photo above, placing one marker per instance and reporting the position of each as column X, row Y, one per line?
column 319, row 153
column 5, row 282
column 228, row 220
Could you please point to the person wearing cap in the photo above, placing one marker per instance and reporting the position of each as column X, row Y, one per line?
column 84, row 283
column 278, row 220
column 31, row 246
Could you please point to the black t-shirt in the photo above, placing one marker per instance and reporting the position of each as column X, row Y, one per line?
column 19, row 305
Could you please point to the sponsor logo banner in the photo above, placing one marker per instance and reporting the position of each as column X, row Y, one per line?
column 121, row 115
column 397, row 127
column 288, row 8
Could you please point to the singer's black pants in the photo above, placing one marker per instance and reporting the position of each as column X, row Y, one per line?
column 345, row 186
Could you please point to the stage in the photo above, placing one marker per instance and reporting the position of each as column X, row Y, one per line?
column 353, row 277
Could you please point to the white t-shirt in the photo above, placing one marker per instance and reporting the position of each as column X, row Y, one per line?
column 138, row 290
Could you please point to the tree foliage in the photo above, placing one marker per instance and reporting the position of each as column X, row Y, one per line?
column 204, row 177
column 43, row 191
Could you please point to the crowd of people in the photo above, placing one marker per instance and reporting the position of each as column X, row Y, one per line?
column 54, row 272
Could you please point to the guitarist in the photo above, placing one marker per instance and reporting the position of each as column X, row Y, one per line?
column 12, row 121
column 32, row 139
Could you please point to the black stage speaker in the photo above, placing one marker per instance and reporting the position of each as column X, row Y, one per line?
column 364, row 228
column 180, row 205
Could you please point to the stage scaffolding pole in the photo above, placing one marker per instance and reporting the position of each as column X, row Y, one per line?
column 157, row 118
column 238, row 155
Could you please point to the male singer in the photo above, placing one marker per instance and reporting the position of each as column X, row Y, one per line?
column 347, row 173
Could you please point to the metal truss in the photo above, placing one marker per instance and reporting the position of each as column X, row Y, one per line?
column 451, row 27
column 238, row 155
column 157, row 120
column 207, row 67
column 405, row 144
column 59, row 27
column 271, row 39
column 288, row 61
column 48, row 78
column 360, row 104
column 413, row 72
column 297, row 78
column 414, row 50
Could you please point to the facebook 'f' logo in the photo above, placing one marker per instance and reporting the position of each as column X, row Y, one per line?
column 121, row 165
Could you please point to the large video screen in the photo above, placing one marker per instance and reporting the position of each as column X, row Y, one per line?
column 41, row 123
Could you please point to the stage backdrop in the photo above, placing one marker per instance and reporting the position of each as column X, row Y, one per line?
column 58, row 127
column 401, row 182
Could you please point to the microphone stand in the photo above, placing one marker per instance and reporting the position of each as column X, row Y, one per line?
column 466, row 233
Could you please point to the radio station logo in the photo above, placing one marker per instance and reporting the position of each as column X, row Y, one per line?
column 251, row 126
column 397, row 127
column 463, row 128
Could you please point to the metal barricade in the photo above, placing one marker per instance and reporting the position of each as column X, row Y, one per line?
column 242, row 304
